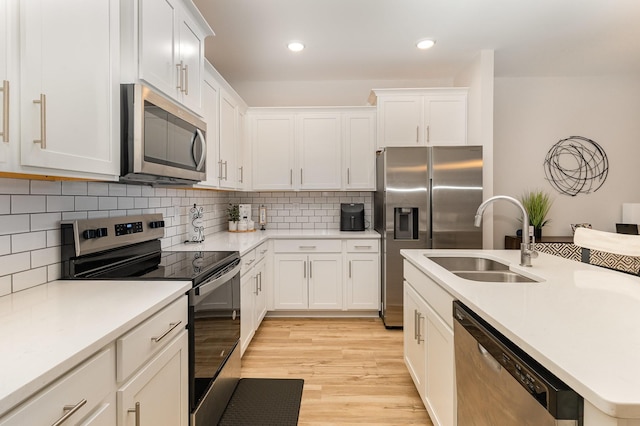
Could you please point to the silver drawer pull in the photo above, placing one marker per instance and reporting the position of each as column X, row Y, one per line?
column 137, row 412
column 306, row 247
column 362, row 247
column 172, row 326
column 250, row 262
column 70, row 411
column 263, row 251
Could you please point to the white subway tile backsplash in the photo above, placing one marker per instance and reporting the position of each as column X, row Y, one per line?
column 44, row 257
column 117, row 190
column 54, row 272
column 141, row 203
column 53, row 238
column 97, row 214
column 5, row 204
column 97, row 188
column 107, row 203
column 5, row 244
column 28, row 241
column 12, row 263
column 46, row 187
column 125, row 203
column 134, row 191
column 86, row 203
column 74, row 215
column 28, row 279
column 14, row 186
column 74, row 188
column 44, row 221
column 5, row 285
column 10, row 224
column 60, row 203
column 28, row 204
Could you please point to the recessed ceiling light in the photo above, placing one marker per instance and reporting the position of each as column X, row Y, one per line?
column 295, row 46
column 425, row 44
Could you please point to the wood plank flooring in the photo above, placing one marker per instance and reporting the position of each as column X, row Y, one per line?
column 353, row 370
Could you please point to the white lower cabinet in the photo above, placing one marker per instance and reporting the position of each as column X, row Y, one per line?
column 84, row 395
column 158, row 393
column 428, row 344
column 140, row 379
column 362, row 282
column 254, row 284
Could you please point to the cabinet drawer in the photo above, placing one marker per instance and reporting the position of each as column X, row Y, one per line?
column 363, row 246
column 86, row 386
column 247, row 261
column 307, row 246
column 138, row 345
column 261, row 251
column 438, row 298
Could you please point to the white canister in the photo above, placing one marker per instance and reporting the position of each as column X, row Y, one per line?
column 242, row 225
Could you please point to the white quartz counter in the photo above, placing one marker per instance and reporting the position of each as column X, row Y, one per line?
column 581, row 322
column 246, row 241
column 49, row 329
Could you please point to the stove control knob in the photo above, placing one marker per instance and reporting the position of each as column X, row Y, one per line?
column 156, row 224
column 94, row 233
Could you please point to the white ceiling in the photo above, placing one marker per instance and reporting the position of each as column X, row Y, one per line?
column 375, row 39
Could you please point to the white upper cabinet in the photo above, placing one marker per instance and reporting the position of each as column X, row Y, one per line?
column 169, row 36
column 210, row 103
column 319, row 151
column 273, row 151
column 228, row 141
column 359, row 144
column 312, row 148
column 417, row 117
column 8, row 83
column 69, row 91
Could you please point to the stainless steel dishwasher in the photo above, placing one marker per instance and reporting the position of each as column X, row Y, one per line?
column 498, row 384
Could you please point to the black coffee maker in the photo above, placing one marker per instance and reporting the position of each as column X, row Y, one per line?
column 352, row 217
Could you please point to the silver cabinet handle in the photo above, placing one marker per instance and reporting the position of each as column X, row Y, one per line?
column 220, row 169
column 304, row 270
column 172, row 326
column 419, row 331
column 70, row 411
column 257, row 291
column 349, row 269
column 362, row 247
column 310, row 270
column 348, row 175
column 415, row 324
column 290, row 176
column 417, row 134
column 186, row 79
column 260, row 282
column 300, row 176
column 43, row 121
column 5, row 111
column 263, row 251
column 241, row 174
column 250, row 262
column 306, row 247
column 203, row 145
column 137, row 411
column 428, row 134
column 226, row 174
column 179, row 68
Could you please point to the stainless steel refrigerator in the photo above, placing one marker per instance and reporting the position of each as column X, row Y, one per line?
column 426, row 197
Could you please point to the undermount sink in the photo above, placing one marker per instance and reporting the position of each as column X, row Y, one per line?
column 494, row 276
column 480, row 269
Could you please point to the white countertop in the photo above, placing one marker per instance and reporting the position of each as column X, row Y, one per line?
column 47, row 330
column 246, row 241
column 582, row 322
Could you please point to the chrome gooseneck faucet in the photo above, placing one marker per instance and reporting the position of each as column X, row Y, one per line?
column 527, row 251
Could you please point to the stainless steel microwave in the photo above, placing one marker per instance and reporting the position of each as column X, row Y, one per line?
column 162, row 143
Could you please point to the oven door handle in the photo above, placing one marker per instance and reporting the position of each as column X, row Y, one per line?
column 209, row 286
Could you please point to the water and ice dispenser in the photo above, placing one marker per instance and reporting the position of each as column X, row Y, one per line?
column 405, row 223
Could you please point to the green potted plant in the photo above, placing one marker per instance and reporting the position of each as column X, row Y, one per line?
column 537, row 203
column 233, row 211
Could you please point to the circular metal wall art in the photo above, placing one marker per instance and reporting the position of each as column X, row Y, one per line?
column 576, row 165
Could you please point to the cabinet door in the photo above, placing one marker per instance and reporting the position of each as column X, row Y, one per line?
column 290, row 282
column 159, row 391
column 363, row 281
column 70, row 85
column 325, row 281
column 191, row 54
column 210, row 99
column 260, row 308
column 414, row 338
column 272, row 143
column 440, row 389
column 319, row 151
column 158, row 44
column 248, row 290
column 360, row 151
column 446, row 119
column 8, row 83
column 241, row 151
column 228, row 141
column 400, row 119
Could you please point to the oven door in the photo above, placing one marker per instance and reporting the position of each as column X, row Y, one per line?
column 214, row 364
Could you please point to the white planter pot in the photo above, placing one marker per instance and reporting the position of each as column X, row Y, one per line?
column 233, row 226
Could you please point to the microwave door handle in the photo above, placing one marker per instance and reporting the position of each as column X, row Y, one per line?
column 203, row 145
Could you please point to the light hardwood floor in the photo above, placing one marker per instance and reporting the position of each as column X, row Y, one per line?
column 353, row 370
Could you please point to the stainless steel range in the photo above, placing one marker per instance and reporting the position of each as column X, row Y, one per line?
column 130, row 248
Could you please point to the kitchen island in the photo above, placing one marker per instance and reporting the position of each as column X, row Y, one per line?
column 579, row 321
